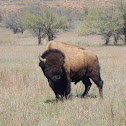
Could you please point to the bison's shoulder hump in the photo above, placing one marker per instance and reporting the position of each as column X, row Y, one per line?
column 51, row 51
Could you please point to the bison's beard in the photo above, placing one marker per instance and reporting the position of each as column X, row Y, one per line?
column 62, row 88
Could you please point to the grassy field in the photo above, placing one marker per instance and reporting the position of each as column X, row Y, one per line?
column 27, row 100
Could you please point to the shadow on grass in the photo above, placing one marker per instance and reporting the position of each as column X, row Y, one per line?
column 50, row 101
column 70, row 97
column 59, row 100
column 88, row 96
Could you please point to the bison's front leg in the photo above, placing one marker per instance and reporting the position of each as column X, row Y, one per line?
column 57, row 97
column 68, row 89
column 53, row 88
column 56, row 94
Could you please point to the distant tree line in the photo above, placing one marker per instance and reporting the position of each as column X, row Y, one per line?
column 40, row 21
column 43, row 21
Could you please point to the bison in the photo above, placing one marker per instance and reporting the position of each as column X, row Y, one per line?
column 63, row 63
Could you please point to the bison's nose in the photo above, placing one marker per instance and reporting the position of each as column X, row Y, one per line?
column 57, row 77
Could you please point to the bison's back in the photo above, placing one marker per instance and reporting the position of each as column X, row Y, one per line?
column 77, row 59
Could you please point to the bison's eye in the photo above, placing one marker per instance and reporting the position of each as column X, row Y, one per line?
column 57, row 77
column 47, row 67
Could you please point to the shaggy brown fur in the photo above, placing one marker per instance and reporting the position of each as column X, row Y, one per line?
column 78, row 64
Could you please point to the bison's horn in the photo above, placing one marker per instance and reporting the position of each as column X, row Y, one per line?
column 41, row 59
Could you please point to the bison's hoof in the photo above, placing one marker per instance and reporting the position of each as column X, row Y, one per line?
column 83, row 96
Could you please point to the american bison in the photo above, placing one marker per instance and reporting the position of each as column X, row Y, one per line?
column 63, row 63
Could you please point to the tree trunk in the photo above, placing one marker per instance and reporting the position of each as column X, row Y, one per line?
column 50, row 36
column 39, row 40
column 125, row 35
column 124, row 17
column 39, row 37
column 116, row 38
column 107, row 37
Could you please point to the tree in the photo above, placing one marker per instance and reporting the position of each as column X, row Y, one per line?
column 52, row 23
column 44, row 22
column 106, row 22
column 110, row 24
column 33, row 24
column 122, row 8
column 14, row 21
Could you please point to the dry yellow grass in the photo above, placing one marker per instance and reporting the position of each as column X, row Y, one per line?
column 27, row 100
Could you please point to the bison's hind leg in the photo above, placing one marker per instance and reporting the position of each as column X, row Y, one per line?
column 88, row 84
column 98, row 81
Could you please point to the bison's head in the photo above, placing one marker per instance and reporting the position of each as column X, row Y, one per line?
column 51, row 63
